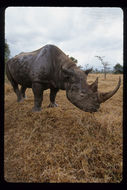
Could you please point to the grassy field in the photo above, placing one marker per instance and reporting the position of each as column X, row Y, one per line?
column 63, row 144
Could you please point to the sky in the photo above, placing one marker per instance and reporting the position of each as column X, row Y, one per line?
column 80, row 32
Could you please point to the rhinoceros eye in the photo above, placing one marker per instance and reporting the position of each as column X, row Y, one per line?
column 75, row 87
column 82, row 95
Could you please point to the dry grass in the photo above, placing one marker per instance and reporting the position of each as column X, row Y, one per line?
column 63, row 144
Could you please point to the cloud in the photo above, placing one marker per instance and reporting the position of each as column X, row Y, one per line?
column 79, row 32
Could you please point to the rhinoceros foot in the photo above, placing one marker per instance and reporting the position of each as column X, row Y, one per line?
column 52, row 105
column 20, row 99
column 36, row 109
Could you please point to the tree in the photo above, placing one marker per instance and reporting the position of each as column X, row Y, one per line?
column 80, row 67
column 118, row 69
column 76, row 61
column 96, row 70
column 105, row 65
column 86, row 66
column 7, row 51
column 73, row 59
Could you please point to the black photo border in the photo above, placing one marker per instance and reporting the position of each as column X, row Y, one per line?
column 63, row 3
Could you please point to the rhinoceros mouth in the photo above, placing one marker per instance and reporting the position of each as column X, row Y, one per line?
column 87, row 109
column 91, row 109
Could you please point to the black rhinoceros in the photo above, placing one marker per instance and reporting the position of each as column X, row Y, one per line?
column 50, row 68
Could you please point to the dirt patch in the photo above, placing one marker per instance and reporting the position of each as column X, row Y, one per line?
column 63, row 144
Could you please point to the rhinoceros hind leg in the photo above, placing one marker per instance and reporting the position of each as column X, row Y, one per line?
column 21, row 94
column 53, row 93
column 16, row 90
column 14, row 84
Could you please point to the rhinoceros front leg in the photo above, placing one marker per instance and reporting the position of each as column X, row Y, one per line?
column 53, row 93
column 38, row 96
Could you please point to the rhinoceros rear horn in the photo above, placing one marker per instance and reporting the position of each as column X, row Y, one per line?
column 94, row 85
column 102, row 97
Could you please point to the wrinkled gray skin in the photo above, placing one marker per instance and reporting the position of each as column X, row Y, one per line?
column 47, row 68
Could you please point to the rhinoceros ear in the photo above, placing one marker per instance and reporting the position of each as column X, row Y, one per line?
column 67, row 71
column 88, row 71
column 67, row 74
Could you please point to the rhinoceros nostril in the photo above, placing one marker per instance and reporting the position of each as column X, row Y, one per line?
column 82, row 95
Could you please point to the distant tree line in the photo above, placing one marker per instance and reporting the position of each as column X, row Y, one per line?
column 7, row 51
column 117, row 69
column 6, row 55
column 73, row 59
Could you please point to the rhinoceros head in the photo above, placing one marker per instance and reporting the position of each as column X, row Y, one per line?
column 81, row 94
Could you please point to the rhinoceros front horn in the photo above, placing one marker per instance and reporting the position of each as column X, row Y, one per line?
column 102, row 97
